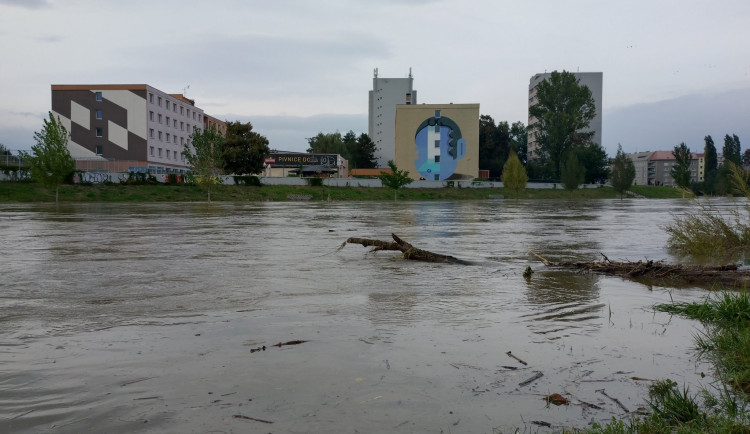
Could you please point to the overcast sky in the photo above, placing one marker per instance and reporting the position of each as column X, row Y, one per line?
column 674, row 70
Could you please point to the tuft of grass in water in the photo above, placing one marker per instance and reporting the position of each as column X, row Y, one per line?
column 708, row 233
column 673, row 406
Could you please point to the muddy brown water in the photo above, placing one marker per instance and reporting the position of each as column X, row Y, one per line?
column 124, row 318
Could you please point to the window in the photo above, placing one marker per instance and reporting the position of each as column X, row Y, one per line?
column 168, row 121
column 199, row 117
column 174, row 106
column 188, row 127
column 182, row 110
column 167, row 104
column 437, row 158
column 159, row 117
column 151, row 116
column 99, row 132
column 182, row 126
column 437, row 177
column 175, row 123
column 99, row 149
column 152, row 151
column 182, row 141
column 193, row 115
column 159, row 140
column 168, row 137
column 175, row 155
column 188, row 112
column 174, row 139
column 160, row 152
column 99, row 114
column 98, row 96
column 167, row 153
column 151, row 98
column 159, row 101
column 151, row 134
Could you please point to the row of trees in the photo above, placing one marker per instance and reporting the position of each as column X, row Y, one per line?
column 717, row 180
column 358, row 150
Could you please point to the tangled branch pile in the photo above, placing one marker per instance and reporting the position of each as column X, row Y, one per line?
column 728, row 276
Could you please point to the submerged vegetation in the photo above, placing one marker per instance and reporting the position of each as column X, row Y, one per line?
column 725, row 343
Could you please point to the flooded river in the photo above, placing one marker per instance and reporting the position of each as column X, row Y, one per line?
column 125, row 318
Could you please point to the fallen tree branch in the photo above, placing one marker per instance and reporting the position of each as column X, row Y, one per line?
column 408, row 251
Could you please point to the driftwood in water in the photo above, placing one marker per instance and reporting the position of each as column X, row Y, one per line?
column 409, row 251
column 660, row 273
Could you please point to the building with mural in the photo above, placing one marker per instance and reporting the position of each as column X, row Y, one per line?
column 438, row 142
column 385, row 95
column 140, row 126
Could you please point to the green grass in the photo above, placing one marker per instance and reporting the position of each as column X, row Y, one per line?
column 656, row 192
column 31, row 192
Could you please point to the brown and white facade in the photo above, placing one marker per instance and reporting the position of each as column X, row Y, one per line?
column 132, row 122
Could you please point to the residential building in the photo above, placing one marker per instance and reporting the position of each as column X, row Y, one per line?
column 210, row 121
column 641, row 161
column 133, row 122
column 661, row 163
column 385, row 95
column 592, row 80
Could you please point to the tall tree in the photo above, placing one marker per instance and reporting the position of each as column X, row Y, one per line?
column 327, row 143
column 623, row 172
column 519, row 137
column 732, row 150
column 746, row 157
column 514, row 175
column 205, row 157
column 680, row 172
column 494, row 143
column 572, row 172
column 711, row 165
column 396, row 179
column 563, row 112
column 365, row 155
column 51, row 163
column 596, row 162
column 244, row 149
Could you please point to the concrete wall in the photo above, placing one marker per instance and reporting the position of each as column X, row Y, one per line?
column 101, row 177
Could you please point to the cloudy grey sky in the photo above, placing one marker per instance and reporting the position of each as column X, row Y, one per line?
column 674, row 70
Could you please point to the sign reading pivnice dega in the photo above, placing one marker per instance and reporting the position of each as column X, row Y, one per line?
column 294, row 160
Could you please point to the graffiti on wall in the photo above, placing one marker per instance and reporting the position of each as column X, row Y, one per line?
column 439, row 147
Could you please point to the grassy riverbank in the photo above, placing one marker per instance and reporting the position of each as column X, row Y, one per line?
column 32, row 192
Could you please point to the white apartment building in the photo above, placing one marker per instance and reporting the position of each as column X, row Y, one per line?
column 385, row 95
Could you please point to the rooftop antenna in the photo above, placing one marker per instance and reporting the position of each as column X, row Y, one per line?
column 410, row 72
column 184, row 90
column 376, row 72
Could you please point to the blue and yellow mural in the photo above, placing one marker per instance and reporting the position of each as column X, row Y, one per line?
column 439, row 147
column 438, row 142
